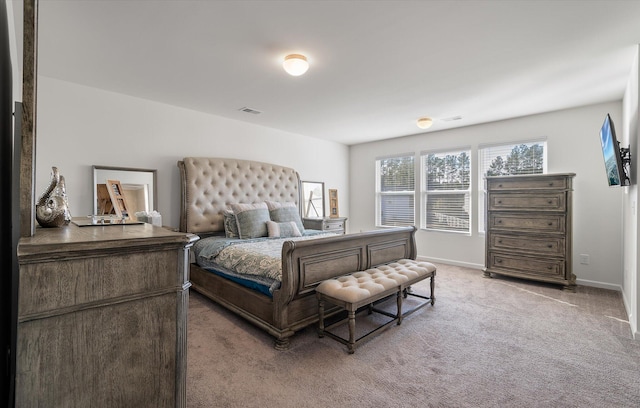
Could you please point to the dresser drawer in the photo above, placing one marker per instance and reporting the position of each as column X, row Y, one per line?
column 337, row 225
column 527, row 222
column 532, row 266
column 552, row 245
column 79, row 282
column 332, row 226
column 528, row 202
column 528, row 183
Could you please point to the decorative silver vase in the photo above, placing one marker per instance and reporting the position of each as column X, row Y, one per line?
column 52, row 208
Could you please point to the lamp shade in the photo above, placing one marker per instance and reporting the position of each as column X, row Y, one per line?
column 424, row 123
column 295, row 64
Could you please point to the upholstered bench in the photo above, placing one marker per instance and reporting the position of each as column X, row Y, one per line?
column 363, row 288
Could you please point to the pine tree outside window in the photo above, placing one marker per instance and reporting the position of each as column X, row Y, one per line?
column 395, row 191
column 446, row 191
column 506, row 160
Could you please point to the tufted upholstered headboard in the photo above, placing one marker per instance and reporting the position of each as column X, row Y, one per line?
column 209, row 185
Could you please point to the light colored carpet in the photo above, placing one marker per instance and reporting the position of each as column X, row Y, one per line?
column 497, row 342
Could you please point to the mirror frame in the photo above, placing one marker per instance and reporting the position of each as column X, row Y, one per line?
column 126, row 175
column 308, row 186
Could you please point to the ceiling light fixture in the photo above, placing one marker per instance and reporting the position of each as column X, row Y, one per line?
column 295, row 64
column 424, row 123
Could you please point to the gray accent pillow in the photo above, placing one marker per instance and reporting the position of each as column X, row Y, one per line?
column 283, row 229
column 230, row 224
column 285, row 212
column 251, row 219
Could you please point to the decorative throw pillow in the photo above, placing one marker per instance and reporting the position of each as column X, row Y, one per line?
column 283, row 229
column 230, row 224
column 285, row 212
column 251, row 219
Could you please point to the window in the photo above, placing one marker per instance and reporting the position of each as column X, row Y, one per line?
column 509, row 159
column 395, row 191
column 446, row 191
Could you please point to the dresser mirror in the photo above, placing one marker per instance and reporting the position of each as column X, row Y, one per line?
column 138, row 187
column 313, row 199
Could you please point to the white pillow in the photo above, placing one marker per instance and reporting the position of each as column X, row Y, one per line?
column 283, row 229
column 285, row 212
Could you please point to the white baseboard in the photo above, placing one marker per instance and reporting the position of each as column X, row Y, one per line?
column 584, row 282
column 627, row 308
column 597, row 284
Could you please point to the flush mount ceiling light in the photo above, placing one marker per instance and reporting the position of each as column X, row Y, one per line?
column 424, row 123
column 295, row 64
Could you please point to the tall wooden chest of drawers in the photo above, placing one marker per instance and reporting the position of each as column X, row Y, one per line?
column 528, row 227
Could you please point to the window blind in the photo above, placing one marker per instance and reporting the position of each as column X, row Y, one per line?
column 395, row 191
column 512, row 159
column 506, row 160
column 446, row 190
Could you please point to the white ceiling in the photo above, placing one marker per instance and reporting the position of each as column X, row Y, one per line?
column 375, row 66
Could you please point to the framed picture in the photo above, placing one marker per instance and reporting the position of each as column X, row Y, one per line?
column 138, row 186
column 118, row 199
column 313, row 199
column 333, row 203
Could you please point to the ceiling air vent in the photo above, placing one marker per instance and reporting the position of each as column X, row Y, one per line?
column 249, row 110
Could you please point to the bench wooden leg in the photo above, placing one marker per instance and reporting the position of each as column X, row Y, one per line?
column 320, row 317
column 399, row 297
column 433, row 286
column 352, row 331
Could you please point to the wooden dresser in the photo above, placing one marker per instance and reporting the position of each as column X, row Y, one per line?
column 528, row 227
column 329, row 224
column 102, row 317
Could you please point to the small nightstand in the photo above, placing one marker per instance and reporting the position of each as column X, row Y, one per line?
column 337, row 225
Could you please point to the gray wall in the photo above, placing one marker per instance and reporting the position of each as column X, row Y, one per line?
column 80, row 126
column 573, row 147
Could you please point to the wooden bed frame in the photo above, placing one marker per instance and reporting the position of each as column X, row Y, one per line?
column 208, row 185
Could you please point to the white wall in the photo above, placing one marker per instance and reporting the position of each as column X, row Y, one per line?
column 79, row 127
column 573, row 147
column 631, row 286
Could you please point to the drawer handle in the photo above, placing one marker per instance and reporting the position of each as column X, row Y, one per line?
column 549, row 202
column 499, row 241
column 499, row 201
column 550, row 246
column 500, row 185
column 499, row 221
column 550, row 184
column 549, row 267
column 550, row 223
column 498, row 260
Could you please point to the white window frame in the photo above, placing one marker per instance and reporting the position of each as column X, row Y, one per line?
column 380, row 195
column 425, row 193
column 484, row 162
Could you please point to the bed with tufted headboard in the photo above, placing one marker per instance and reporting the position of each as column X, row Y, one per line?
column 283, row 301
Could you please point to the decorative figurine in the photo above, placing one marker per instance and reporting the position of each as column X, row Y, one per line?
column 52, row 208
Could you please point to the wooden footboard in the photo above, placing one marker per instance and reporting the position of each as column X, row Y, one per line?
column 304, row 265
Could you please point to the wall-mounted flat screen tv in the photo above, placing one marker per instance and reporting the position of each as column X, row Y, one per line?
column 611, row 152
